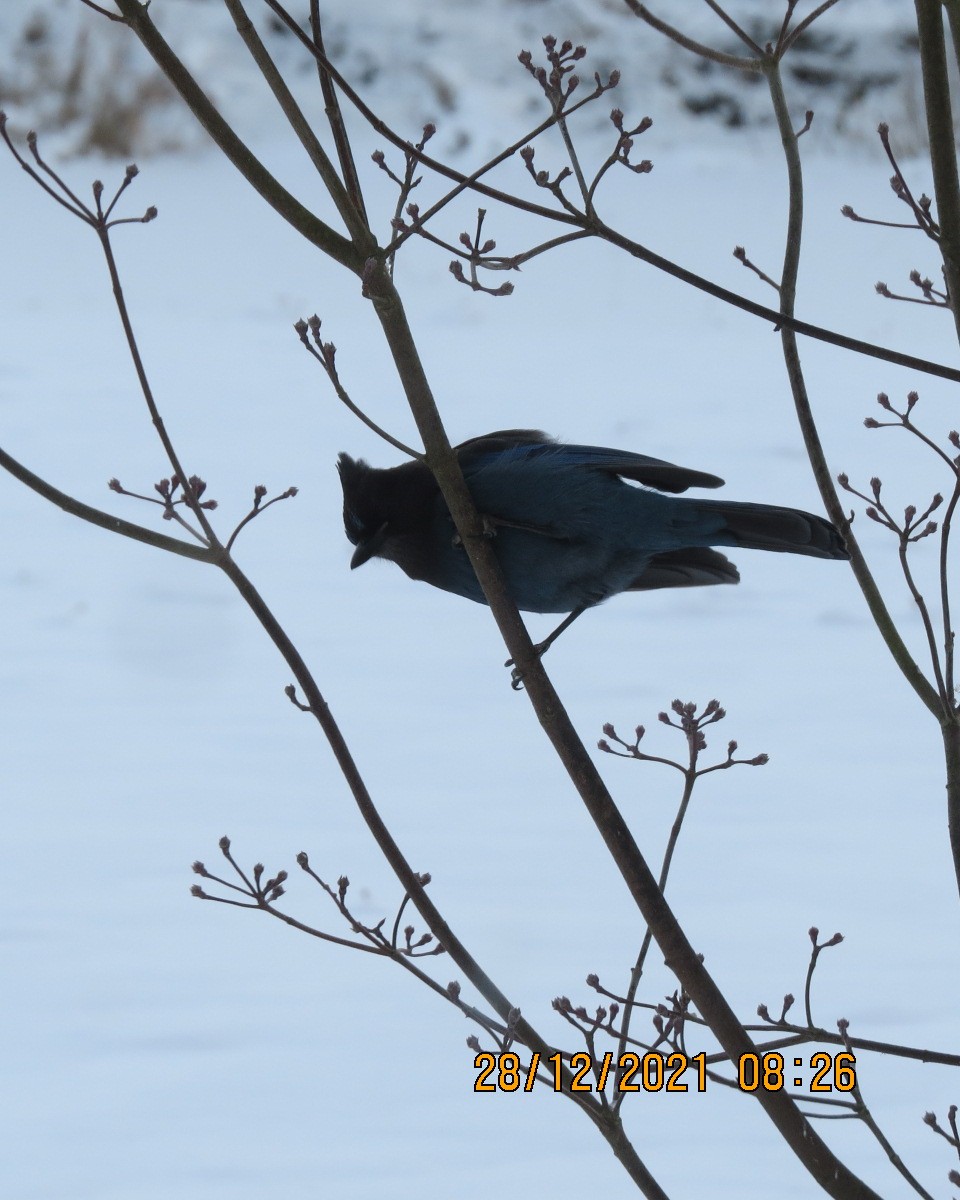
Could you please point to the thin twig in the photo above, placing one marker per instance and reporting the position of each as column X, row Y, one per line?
column 740, row 254
column 938, row 110
column 76, row 508
column 815, row 951
column 158, row 423
column 346, row 206
column 325, row 354
column 921, row 211
column 467, row 182
column 317, row 232
column 953, row 466
column 804, row 25
column 849, row 213
column 784, row 27
column 331, row 101
column 949, row 638
column 717, row 56
column 258, row 507
column 98, row 219
column 921, row 606
column 865, row 1115
column 692, row 726
column 104, row 12
column 741, row 33
column 930, row 301
column 73, row 206
column 636, row 973
column 811, row 436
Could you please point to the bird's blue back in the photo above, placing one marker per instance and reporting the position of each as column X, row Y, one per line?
column 569, row 532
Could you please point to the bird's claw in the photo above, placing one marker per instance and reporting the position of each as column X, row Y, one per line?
column 516, row 675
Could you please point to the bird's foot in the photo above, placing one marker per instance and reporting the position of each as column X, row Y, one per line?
column 516, row 675
column 540, row 649
column 489, row 530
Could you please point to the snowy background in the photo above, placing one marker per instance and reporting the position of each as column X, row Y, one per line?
column 156, row 1047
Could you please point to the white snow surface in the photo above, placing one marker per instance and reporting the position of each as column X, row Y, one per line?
column 159, row 1048
column 455, row 64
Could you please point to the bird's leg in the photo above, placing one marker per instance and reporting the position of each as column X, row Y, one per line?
column 542, row 647
column 516, row 678
column 492, row 524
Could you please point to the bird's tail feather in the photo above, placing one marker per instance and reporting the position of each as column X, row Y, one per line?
column 694, row 566
column 767, row 527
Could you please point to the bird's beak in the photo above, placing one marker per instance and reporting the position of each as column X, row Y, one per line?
column 370, row 548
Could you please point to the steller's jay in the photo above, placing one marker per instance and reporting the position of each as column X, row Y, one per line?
column 568, row 531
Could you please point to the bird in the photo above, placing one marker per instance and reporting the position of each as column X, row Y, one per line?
column 569, row 527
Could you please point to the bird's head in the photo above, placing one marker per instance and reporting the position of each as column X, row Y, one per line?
column 365, row 513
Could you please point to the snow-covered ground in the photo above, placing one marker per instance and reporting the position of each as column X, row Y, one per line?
column 157, row 1047
column 453, row 63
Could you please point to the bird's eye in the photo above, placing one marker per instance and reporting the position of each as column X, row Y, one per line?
column 353, row 526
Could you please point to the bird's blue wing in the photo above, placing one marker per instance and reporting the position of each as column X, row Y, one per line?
column 530, row 444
